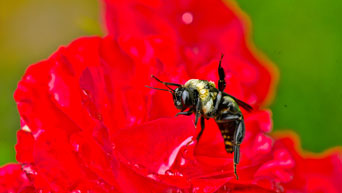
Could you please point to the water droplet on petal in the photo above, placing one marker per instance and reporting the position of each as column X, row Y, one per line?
column 76, row 191
column 44, row 191
column 174, row 190
column 153, row 176
column 84, row 92
column 182, row 162
column 187, row 18
column 225, row 188
column 100, row 182
column 59, row 90
column 37, row 134
column 29, row 170
column 76, row 147
column 75, row 142
column 178, row 174
column 138, row 166
column 188, row 151
column 195, row 189
column 179, row 191
column 26, row 128
column 169, row 173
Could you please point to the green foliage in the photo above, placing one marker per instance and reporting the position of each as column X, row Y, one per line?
column 31, row 30
column 303, row 38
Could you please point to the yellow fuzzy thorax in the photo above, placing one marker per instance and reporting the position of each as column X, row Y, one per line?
column 203, row 88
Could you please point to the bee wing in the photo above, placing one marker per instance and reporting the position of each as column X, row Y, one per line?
column 242, row 104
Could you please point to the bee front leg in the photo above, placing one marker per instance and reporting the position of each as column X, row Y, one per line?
column 187, row 113
column 217, row 103
column 202, row 129
column 197, row 111
column 198, row 114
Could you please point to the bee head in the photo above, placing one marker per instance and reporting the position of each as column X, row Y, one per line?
column 181, row 98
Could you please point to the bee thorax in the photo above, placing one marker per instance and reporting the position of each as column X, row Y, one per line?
column 207, row 97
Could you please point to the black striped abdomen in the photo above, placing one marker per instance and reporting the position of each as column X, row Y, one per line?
column 227, row 131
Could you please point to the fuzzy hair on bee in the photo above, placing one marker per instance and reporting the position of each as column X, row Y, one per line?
column 202, row 98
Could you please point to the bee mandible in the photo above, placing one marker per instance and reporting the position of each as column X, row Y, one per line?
column 202, row 98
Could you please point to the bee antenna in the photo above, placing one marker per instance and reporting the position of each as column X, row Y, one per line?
column 160, row 89
column 166, row 83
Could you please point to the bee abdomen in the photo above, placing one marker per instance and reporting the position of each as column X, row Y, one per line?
column 227, row 131
column 228, row 146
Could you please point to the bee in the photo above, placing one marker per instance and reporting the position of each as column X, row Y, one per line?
column 202, row 98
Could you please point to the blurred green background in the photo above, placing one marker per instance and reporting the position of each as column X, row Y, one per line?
column 302, row 37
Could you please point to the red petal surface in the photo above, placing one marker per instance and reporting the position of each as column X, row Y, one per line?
column 13, row 179
column 88, row 124
column 201, row 31
column 56, row 161
column 313, row 172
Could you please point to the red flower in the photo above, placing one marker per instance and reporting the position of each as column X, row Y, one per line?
column 90, row 125
column 86, row 126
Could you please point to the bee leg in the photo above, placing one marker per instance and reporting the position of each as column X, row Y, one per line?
column 218, row 101
column 222, row 75
column 187, row 113
column 238, row 137
column 202, row 129
column 197, row 110
column 221, row 85
column 198, row 114
column 200, row 133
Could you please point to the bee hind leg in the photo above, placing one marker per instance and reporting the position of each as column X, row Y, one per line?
column 236, row 150
column 238, row 137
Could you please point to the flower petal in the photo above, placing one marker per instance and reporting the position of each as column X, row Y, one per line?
column 313, row 173
column 201, row 30
column 13, row 179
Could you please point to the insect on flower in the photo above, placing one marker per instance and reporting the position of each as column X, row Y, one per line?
column 206, row 101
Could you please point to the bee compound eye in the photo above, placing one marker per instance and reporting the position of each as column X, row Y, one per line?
column 185, row 97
